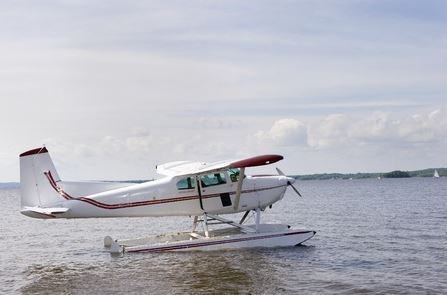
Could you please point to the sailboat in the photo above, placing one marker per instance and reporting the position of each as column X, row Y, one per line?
column 436, row 174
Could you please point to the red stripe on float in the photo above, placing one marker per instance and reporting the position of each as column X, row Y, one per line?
column 204, row 244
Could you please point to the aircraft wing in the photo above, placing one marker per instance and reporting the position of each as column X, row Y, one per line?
column 181, row 168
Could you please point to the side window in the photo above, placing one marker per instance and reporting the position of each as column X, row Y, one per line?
column 185, row 183
column 234, row 174
column 213, row 179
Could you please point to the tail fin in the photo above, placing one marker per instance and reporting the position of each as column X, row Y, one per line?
column 37, row 173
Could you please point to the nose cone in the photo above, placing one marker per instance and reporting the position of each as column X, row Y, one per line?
column 291, row 180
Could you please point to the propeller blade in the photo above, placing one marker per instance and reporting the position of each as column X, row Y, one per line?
column 288, row 182
column 294, row 188
column 280, row 172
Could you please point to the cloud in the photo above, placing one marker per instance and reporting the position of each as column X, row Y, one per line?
column 140, row 144
column 411, row 129
column 353, row 131
column 218, row 123
column 376, row 126
column 424, row 128
column 329, row 132
column 284, row 132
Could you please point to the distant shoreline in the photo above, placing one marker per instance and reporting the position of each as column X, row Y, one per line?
column 392, row 174
column 9, row 184
column 318, row 176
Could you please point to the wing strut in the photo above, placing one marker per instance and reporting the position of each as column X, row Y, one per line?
column 239, row 188
column 244, row 217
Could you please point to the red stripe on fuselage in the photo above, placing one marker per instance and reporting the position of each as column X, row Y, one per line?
column 56, row 187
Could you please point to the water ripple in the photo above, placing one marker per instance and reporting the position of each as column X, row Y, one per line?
column 373, row 237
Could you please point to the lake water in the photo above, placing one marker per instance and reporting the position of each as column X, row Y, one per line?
column 384, row 236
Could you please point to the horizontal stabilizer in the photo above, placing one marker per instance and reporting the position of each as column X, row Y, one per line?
column 39, row 212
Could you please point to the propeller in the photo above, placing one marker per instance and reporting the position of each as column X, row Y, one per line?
column 289, row 182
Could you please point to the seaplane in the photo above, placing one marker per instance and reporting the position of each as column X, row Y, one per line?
column 201, row 191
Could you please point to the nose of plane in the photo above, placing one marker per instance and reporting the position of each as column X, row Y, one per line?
column 291, row 180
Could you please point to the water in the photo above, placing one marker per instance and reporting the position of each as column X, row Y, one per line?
column 373, row 236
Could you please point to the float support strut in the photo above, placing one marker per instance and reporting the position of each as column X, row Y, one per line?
column 205, row 225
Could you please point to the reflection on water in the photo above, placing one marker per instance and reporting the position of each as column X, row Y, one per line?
column 199, row 272
column 222, row 272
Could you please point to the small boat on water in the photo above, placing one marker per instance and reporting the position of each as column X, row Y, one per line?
column 436, row 174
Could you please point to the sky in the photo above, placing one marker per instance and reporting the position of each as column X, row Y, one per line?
column 113, row 88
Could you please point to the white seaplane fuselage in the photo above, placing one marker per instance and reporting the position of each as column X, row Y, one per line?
column 44, row 195
column 162, row 198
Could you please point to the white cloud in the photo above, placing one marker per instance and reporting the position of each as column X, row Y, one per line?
column 329, row 132
column 284, row 132
column 352, row 131
column 140, row 144
column 375, row 127
column 424, row 128
column 218, row 123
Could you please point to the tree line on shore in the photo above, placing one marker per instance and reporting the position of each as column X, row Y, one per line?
column 393, row 174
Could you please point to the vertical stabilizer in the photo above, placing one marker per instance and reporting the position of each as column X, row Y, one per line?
column 36, row 167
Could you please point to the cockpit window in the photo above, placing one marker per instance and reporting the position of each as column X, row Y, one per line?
column 185, row 183
column 213, row 179
column 234, row 174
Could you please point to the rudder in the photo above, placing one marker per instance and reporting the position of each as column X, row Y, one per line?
column 35, row 186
